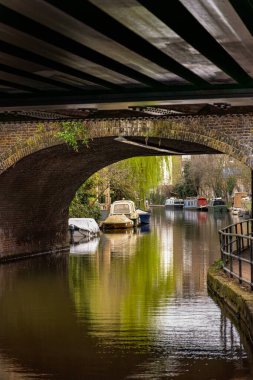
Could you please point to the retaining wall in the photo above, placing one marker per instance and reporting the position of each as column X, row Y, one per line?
column 238, row 298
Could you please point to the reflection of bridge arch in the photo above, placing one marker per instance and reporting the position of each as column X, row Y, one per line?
column 40, row 174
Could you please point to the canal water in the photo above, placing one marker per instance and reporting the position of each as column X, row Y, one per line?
column 128, row 305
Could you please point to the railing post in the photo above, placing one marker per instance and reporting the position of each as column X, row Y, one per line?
column 242, row 240
column 230, row 250
column 221, row 252
column 230, row 239
column 238, row 238
column 251, row 198
column 251, row 263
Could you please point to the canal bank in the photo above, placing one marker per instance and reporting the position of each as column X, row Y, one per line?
column 238, row 298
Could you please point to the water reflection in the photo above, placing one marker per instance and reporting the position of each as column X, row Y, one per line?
column 124, row 306
column 125, row 288
column 85, row 247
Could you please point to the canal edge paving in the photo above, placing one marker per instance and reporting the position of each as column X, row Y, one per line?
column 236, row 297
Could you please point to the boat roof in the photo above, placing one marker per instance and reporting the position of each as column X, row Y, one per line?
column 117, row 206
column 123, row 201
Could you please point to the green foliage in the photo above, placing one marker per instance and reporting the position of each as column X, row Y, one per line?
column 218, row 264
column 186, row 188
column 84, row 203
column 145, row 174
column 231, row 183
column 73, row 132
column 130, row 179
column 80, row 210
column 133, row 178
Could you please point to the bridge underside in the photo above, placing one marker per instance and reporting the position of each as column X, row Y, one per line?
column 124, row 58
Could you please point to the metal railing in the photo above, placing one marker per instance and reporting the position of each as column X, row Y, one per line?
column 236, row 245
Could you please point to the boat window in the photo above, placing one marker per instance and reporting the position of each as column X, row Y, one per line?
column 121, row 209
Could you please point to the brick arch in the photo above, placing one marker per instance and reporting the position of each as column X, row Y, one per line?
column 192, row 130
column 36, row 191
column 39, row 176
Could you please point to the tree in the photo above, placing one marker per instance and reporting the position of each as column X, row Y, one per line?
column 186, row 187
column 83, row 205
column 135, row 178
column 131, row 179
column 216, row 175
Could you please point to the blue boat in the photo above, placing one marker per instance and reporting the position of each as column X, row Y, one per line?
column 144, row 216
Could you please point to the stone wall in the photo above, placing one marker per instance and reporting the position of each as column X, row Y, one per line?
column 238, row 298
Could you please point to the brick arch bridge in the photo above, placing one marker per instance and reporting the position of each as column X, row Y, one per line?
column 39, row 174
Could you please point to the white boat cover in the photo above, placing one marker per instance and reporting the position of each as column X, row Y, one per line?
column 86, row 224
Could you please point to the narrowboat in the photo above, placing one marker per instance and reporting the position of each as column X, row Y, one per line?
column 191, row 203
column 174, row 203
column 196, row 203
column 217, row 204
column 202, row 204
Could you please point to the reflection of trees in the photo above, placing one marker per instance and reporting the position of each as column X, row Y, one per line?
column 118, row 287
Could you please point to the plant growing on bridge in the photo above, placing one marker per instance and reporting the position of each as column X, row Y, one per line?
column 73, row 133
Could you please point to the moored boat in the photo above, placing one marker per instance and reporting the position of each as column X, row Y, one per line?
column 174, row 203
column 196, row 203
column 83, row 227
column 191, row 203
column 202, row 204
column 113, row 222
column 217, row 204
column 127, row 208
column 144, row 216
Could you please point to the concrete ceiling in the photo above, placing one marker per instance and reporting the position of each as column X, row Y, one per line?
column 124, row 58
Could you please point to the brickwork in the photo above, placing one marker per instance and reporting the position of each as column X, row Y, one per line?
column 230, row 134
column 40, row 175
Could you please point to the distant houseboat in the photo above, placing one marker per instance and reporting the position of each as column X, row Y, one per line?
column 174, row 203
column 196, row 203
column 191, row 203
column 202, row 204
column 217, row 204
